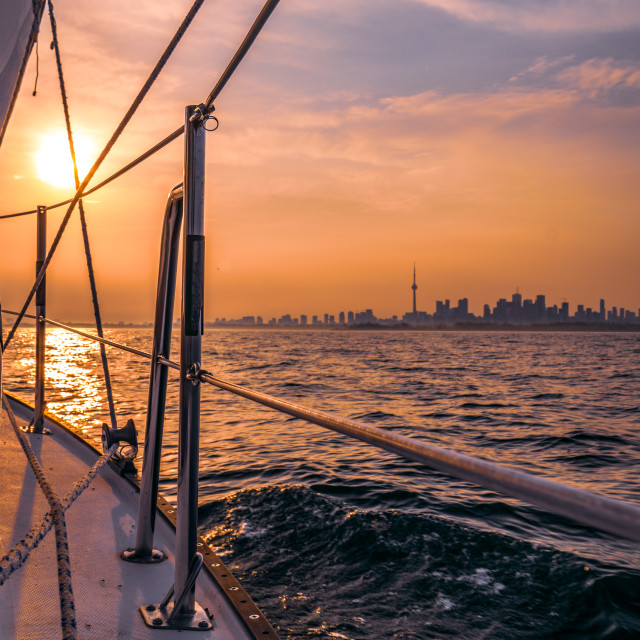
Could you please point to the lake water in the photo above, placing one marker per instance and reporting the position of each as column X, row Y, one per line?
column 335, row 539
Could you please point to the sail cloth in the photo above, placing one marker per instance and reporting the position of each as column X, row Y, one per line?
column 18, row 20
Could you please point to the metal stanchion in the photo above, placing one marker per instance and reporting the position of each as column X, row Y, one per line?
column 144, row 552
column 184, row 612
column 41, row 301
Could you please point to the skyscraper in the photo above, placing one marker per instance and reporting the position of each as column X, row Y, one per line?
column 414, row 286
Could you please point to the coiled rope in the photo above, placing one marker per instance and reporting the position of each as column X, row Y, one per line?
column 17, row 556
column 83, row 220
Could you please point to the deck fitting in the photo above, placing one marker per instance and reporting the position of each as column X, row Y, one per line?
column 158, row 618
column 156, row 556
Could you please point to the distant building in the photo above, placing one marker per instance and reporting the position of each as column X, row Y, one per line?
column 415, row 317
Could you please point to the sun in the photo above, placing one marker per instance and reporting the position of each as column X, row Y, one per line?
column 54, row 159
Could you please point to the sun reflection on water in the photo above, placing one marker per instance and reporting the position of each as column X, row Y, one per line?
column 74, row 388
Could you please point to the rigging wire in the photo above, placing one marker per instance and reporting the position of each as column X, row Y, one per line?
column 252, row 34
column 55, row 45
column 255, row 29
column 35, row 83
column 134, row 163
column 244, row 47
column 116, row 134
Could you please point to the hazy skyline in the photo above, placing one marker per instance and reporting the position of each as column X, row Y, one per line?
column 495, row 144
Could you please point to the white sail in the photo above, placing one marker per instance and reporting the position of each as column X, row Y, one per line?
column 16, row 19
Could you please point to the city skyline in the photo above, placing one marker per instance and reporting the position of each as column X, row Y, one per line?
column 517, row 310
column 494, row 144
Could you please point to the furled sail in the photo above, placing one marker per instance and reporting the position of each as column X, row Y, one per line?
column 18, row 25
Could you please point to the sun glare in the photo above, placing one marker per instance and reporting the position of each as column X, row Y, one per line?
column 54, row 160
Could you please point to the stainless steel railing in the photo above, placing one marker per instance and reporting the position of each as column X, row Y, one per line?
column 586, row 507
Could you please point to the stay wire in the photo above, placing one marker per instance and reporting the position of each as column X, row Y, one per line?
column 35, row 84
column 83, row 221
column 134, row 163
column 252, row 34
column 242, row 50
column 83, row 185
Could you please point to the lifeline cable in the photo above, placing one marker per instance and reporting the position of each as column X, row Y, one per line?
column 120, row 128
column 83, row 221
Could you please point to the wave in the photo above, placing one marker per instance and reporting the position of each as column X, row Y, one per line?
column 322, row 569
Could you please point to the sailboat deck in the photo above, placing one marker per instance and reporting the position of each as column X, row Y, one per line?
column 100, row 524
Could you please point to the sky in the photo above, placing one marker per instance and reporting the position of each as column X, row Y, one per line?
column 493, row 143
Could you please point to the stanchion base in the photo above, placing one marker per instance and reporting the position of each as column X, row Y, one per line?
column 158, row 618
column 156, row 556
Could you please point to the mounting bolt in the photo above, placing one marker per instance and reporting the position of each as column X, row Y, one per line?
column 150, row 607
column 203, row 624
column 157, row 621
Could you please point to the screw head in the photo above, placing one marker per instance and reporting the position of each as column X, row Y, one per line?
column 150, row 607
column 157, row 621
column 203, row 624
column 156, row 556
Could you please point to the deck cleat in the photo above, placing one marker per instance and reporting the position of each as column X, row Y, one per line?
column 127, row 438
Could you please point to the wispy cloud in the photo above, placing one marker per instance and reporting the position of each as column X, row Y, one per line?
column 598, row 77
column 541, row 66
column 545, row 15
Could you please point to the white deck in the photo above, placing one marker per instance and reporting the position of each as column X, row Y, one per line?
column 100, row 524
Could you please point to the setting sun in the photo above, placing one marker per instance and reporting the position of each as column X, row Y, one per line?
column 54, row 160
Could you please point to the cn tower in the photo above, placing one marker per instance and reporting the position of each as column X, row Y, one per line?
column 414, row 286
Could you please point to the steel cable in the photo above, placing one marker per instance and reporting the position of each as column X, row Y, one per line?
column 120, row 128
column 83, row 221
column 252, row 34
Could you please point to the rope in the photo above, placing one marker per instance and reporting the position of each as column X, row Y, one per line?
column 35, row 84
column 83, row 221
column 96, row 313
column 120, row 128
column 244, row 47
column 231, row 67
column 18, row 555
column 134, row 163
column 65, row 588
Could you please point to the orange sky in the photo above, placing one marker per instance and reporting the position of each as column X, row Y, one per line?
column 495, row 147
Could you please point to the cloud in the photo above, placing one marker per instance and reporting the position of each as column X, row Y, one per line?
column 541, row 66
column 545, row 15
column 596, row 78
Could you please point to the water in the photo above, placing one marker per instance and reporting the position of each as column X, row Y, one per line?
column 335, row 539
